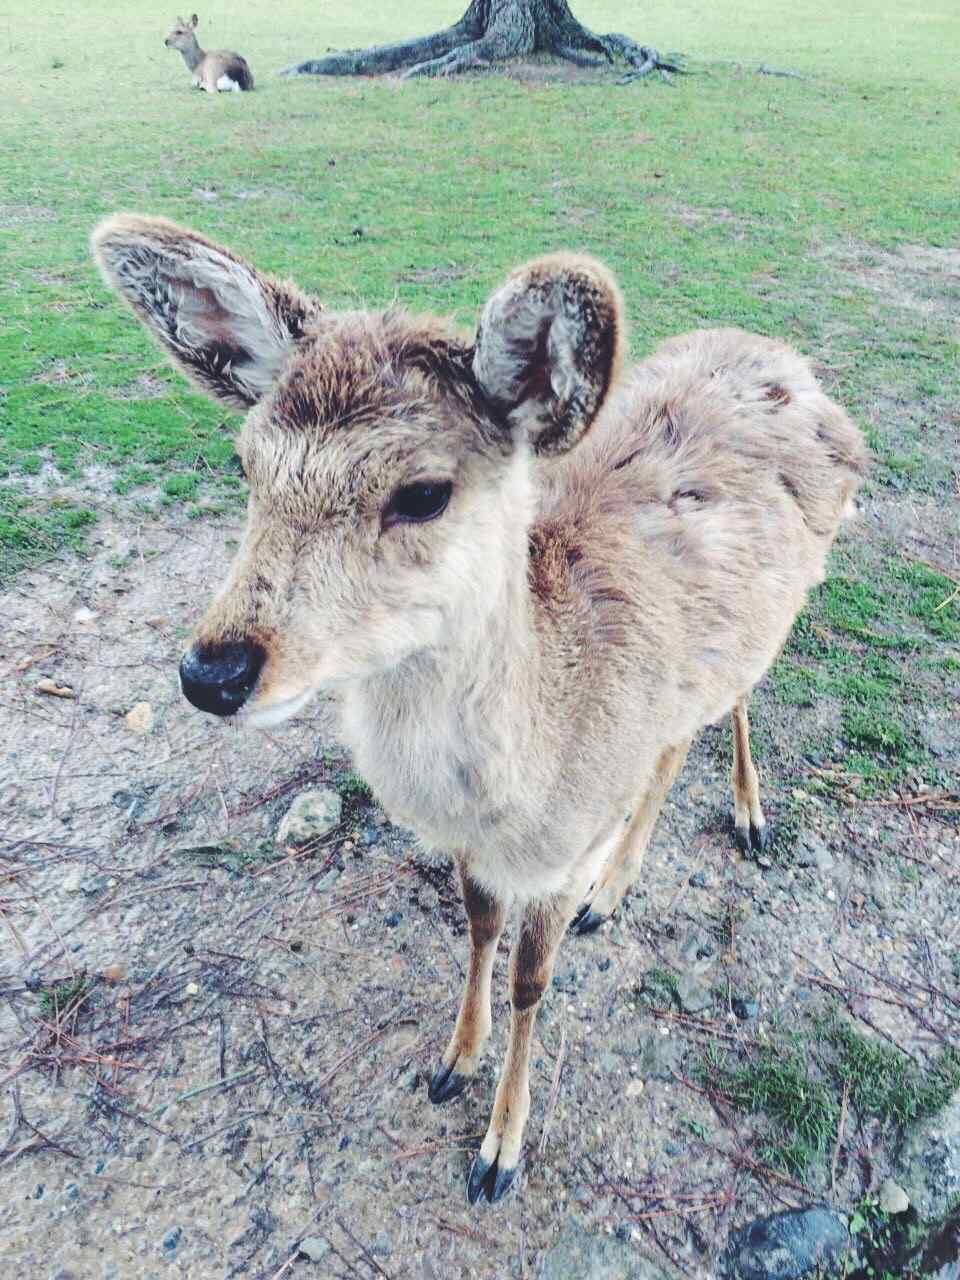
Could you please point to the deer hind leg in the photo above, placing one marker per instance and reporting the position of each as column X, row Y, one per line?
column 626, row 861
column 462, row 1055
column 752, row 831
column 542, row 925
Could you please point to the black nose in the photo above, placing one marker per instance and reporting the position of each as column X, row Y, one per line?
column 219, row 678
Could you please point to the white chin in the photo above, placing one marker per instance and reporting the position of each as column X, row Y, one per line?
column 258, row 717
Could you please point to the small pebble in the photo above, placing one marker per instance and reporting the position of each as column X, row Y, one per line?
column 172, row 1239
column 393, row 919
column 893, row 1198
column 191, row 989
column 744, row 1009
column 139, row 719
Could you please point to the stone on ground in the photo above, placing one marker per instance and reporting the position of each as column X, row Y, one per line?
column 583, row 1255
column 313, row 814
column 792, row 1245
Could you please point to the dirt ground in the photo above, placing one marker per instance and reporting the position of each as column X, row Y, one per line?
column 247, row 1069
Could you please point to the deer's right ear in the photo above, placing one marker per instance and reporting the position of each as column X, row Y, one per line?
column 548, row 348
column 225, row 325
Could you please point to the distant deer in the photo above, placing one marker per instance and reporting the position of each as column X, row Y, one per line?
column 524, row 620
column 217, row 71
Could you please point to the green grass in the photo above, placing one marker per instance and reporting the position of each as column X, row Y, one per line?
column 32, row 529
column 58, row 1002
column 796, row 1087
column 658, row 987
column 878, row 642
column 885, row 1083
column 734, row 197
column 800, row 1110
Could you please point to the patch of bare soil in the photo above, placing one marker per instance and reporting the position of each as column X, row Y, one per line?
column 145, row 386
column 233, row 1061
column 16, row 215
column 92, row 485
column 917, row 277
column 59, row 374
column 42, row 276
column 545, row 70
column 693, row 216
column 431, row 275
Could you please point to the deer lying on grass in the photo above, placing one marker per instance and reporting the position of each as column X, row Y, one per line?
column 217, row 71
column 524, row 620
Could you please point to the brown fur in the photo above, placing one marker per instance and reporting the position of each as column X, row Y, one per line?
column 209, row 69
column 518, row 678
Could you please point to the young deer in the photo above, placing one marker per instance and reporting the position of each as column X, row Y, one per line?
column 217, row 71
column 523, row 624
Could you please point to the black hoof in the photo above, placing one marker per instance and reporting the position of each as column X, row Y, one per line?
column 754, row 839
column 760, row 837
column 446, row 1084
column 585, row 921
column 488, row 1180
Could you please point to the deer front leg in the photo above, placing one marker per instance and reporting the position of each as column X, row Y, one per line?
column 751, row 827
column 462, row 1056
column 542, row 925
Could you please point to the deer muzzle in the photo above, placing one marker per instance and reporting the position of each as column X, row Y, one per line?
column 220, row 678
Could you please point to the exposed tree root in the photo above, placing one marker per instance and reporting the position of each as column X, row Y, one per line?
column 493, row 31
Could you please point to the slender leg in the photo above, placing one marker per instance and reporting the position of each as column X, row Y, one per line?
column 626, row 861
column 542, row 925
column 460, row 1060
column 751, row 826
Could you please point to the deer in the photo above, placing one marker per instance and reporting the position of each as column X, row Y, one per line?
column 219, row 71
column 525, row 576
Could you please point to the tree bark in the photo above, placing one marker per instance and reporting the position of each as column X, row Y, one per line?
column 492, row 31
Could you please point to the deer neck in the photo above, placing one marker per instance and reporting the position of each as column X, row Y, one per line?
column 193, row 55
column 452, row 726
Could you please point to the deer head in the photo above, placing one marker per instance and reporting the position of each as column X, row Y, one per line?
column 388, row 458
column 183, row 34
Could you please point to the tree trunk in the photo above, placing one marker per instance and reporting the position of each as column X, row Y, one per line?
column 492, row 31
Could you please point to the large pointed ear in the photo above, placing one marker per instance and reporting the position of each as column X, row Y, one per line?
column 549, row 346
column 228, row 327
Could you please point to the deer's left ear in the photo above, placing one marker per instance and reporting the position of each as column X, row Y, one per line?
column 548, row 348
column 194, row 20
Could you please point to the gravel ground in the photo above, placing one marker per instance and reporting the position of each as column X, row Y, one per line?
column 241, row 1090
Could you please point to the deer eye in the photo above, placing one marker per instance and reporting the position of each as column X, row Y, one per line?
column 417, row 503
